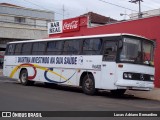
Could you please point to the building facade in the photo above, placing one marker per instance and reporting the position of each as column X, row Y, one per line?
column 145, row 14
column 97, row 19
column 19, row 23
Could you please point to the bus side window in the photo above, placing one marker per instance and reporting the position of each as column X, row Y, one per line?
column 42, row 48
column 35, row 49
column 10, row 49
column 66, row 48
column 18, row 49
column 110, row 51
column 71, row 47
column 92, row 46
column 54, row 47
column 39, row 48
column 26, row 49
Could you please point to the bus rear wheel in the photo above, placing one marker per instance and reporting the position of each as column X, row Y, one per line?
column 88, row 85
column 24, row 78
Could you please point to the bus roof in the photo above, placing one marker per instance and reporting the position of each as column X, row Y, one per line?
column 80, row 37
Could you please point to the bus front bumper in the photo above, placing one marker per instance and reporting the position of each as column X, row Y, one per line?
column 134, row 84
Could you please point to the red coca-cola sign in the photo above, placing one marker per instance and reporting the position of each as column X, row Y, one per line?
column 70, row 25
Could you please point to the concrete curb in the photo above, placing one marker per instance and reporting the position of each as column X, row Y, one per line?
column 152, row 95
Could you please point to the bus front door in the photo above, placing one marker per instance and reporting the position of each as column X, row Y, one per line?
column 109, row 65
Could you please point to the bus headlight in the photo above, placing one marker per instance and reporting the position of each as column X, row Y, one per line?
column 138, row 76
column 125, row 75
column 130, row 76
column 152, row 77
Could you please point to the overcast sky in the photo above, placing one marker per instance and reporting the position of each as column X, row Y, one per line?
column 73, row 8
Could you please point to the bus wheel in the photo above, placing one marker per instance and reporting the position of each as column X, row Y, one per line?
column 118, row 92
column 88, row 85
column 24, row 78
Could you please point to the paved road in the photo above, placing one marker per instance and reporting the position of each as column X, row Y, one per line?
column 16, row 97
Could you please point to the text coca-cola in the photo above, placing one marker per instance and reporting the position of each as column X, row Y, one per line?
column 71, row 25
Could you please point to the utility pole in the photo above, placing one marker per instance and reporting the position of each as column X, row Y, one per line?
column 139, row 2
column 63, row 11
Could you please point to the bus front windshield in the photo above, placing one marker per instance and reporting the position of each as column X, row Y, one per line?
column 137, row 51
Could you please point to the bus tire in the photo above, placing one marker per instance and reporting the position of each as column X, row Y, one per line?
column 24, row 78
column 88, row 85
column 118, row 92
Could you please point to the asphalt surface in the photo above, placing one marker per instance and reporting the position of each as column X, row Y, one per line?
column 16, row 97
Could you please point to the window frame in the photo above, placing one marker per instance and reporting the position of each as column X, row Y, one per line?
column 72, row 52
column 54, row 52
column 7, row 49
column 26, row 52
column 21, row 20
column 115, row 53
column 37, row 52
column 93, row 51
column 15, row 52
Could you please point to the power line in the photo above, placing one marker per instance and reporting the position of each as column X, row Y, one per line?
column 149, row 4
column 42, row 7
column 117, row 5
column 157, row 1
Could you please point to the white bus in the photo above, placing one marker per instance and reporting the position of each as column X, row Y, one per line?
column 114, row 62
